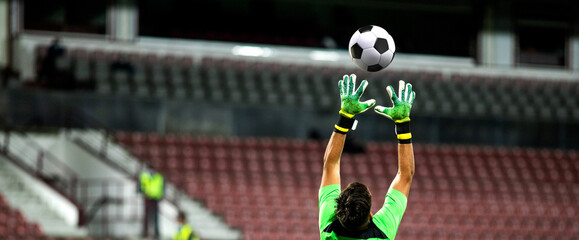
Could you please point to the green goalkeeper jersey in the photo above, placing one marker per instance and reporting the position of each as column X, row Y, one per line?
column 384, row 224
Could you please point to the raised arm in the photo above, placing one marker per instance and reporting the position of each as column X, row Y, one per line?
column 405, row 173
column 331, row 170
column 400, row 114
column 350, row 106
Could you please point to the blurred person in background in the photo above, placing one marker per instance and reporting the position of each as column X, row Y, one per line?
column 122, row 63
column 152, row 186
column 185, row 230
column 47, row 73
column 347, row 213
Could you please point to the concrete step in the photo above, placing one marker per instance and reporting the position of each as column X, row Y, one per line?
column 57, row 229
column 32, row 204
column 36, row 212
column 11, row 186
column 39, row 212
column 21, row 199
column 207, row 224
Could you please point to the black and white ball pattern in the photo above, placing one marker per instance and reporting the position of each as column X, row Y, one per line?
column 372, row 48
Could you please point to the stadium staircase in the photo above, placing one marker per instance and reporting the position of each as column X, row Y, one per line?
column 98, row 143
column 15, row 185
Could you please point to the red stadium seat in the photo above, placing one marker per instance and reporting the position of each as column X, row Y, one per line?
column 459, row 192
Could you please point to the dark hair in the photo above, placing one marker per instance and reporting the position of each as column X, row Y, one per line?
column 181, row 216
column 354, row 203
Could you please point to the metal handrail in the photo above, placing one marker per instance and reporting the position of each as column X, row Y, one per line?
column 112, row 193
column 172, row 193
column 28, row 155
column 105, row 153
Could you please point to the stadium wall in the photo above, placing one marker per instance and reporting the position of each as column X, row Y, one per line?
column 496, row 40
column 124, row 21
column 495, row 43
column 575, row 47
column 4, row 32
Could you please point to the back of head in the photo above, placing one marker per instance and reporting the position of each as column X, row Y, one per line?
column 181, row 217
column 354, row 204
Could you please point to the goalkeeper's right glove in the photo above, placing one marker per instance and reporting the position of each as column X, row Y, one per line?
column 400, row 111
column 351, row 105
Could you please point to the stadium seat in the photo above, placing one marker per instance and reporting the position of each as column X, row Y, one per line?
column 81, row 66
column 100, row 69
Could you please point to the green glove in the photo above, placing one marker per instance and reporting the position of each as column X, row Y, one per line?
column 351, row 105
column 400, row 111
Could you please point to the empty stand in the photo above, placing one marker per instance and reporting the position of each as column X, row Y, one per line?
column 268, row 187
column 240, row 80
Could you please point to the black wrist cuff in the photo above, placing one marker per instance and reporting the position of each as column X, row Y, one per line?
column 405, row 141
column 344, row 124
column 403, row 133
column 403, row 127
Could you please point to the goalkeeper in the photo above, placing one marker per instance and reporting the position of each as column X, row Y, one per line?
column 346, row 214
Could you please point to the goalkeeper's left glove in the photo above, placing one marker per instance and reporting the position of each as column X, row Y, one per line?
column 400, row 111
column 351, row 105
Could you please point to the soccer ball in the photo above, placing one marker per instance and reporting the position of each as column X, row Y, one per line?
column 371, row 48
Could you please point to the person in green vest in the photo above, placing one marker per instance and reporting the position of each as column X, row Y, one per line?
column 185, row 230
column 152, row 186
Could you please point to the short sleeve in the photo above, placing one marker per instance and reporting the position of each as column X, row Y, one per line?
column 389, row 216
column 327, row 204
